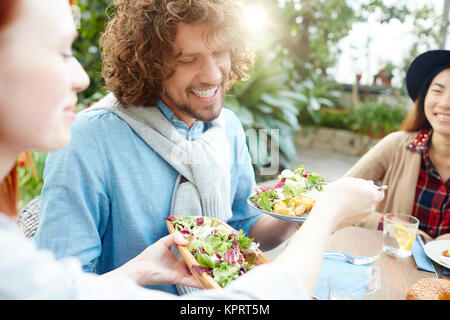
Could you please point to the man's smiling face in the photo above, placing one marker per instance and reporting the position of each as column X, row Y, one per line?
column 196, row 89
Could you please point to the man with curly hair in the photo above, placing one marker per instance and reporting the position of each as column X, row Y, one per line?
column 160, row 143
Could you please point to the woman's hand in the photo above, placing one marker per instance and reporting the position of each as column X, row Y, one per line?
column 350, row 199
column 425, row 235
column 342, row 203
column 445, row 236
column 158, row 265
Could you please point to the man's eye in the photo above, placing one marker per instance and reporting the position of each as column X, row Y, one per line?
column 221, row 52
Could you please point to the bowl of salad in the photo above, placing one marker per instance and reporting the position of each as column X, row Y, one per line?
column 216, row 254
column 291, row 198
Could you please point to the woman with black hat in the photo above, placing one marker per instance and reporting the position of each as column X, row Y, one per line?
column 415, row 162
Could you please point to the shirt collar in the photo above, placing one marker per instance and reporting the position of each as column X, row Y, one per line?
column 421, row 142
column 166, row 111
column 190, row 133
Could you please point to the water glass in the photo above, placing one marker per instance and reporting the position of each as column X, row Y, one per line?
column 351, row 285
column 399, row 233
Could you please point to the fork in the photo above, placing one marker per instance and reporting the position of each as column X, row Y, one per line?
column 353, row 260
column 383, row 187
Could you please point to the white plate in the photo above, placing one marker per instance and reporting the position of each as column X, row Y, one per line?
column 433, row 250
column 276, row 215
column 301, row 218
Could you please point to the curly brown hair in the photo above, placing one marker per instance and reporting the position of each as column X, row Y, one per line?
column 138, row 42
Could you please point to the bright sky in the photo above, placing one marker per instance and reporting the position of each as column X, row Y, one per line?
column 390, row 42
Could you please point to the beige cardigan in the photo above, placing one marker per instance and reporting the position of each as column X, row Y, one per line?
column 390, row 163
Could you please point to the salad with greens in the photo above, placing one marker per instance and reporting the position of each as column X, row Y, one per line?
column 289, row 193
column 223, row 253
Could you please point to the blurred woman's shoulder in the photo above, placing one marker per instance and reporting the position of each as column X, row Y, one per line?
column 400, row 137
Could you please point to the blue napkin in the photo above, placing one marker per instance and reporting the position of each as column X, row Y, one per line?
column 422, row 261
column 332, row 264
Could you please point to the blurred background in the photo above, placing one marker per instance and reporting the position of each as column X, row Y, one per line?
column 329, row 76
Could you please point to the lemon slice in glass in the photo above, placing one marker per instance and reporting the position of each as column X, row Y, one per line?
column 403, row 235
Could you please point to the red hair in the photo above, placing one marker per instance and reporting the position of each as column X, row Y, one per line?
column 9, row 193
column 6, row 11
column 9, row 188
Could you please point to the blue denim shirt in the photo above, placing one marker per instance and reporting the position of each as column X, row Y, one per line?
column 106, row 194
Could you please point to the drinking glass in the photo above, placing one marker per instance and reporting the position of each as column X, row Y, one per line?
column 399, row 233
column 351, row 285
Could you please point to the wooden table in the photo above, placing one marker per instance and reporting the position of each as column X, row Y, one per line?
column 397, row 274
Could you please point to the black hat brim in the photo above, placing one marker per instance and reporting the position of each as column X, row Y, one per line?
column 422, row 67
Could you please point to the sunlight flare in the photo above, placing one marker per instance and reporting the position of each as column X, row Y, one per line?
column 256, row 18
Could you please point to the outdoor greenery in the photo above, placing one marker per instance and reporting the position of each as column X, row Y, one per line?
column 30, row 176
column 265, row 102
column 370, row 117
column 310, row 31
column 377, row 119
column 87, row 48
column 290, row 84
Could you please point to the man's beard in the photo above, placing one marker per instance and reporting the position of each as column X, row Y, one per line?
column 213, row 109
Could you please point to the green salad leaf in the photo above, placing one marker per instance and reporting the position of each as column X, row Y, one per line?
column 290, row 184
column 225, row 273
column 219, row 250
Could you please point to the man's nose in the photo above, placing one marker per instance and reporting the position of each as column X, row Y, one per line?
column 211, row 72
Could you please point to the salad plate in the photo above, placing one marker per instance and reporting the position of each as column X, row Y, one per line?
column 292, row 198
column 216, row 254
column 285, row 217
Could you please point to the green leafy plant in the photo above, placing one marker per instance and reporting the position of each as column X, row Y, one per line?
column 265, row 102
column 317, row 93
column 30, row 171
column 371, row 117
column 93, row 17
column 377, row 119
column 337, row 118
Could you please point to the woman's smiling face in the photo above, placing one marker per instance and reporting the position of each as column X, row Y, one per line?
column 39, row 77
column 437, row 103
